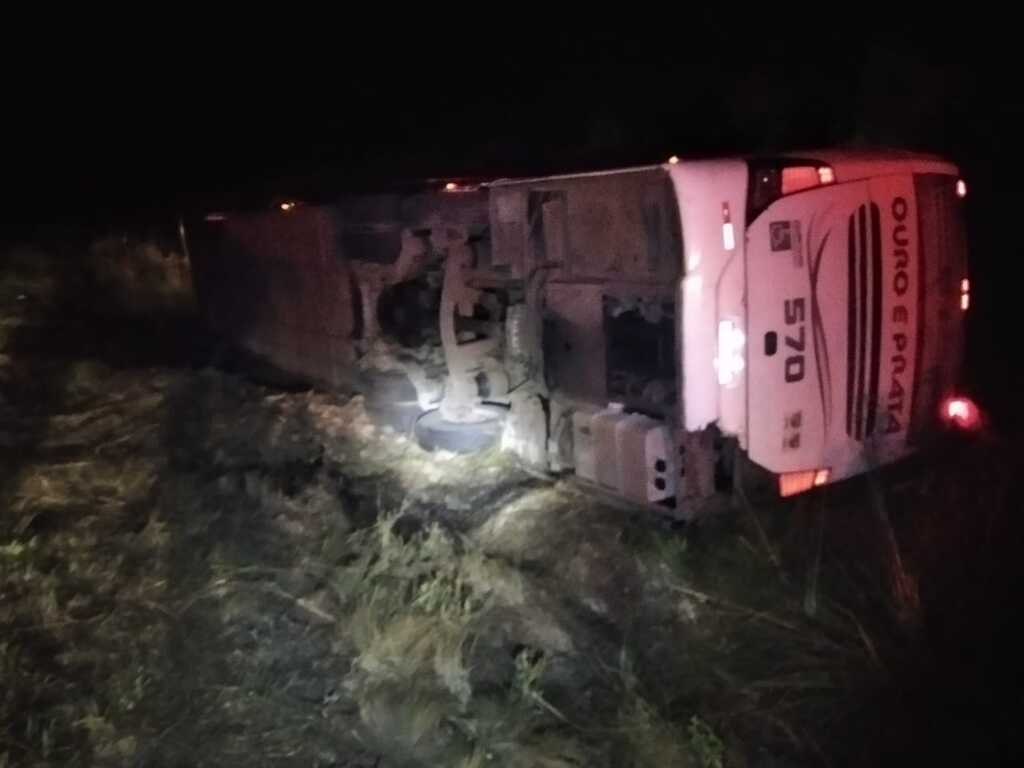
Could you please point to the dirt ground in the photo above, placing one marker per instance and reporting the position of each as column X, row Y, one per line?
column 198, row 569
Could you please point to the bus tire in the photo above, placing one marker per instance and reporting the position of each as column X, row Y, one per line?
column 435, row 434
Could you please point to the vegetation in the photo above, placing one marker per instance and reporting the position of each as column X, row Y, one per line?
column 198, row 570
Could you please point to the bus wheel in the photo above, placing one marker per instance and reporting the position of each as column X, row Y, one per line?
column 435, row 434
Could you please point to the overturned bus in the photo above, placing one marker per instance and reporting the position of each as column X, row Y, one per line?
column 638, row 328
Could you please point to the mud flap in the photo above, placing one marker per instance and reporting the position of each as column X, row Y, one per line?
column 526, row 430
column 698, row 459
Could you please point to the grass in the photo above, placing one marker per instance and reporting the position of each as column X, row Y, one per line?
column 190, row 591
column 417, row 608
column 195, row 570
column 768, row 671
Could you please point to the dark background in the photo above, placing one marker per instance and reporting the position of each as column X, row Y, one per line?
column 172, row 114
column 108, row 120
column 150, row 117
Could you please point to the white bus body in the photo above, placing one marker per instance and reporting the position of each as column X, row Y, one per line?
column 842, row 296
column 805, row 309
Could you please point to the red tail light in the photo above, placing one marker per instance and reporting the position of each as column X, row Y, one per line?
column 961, row 412
column 772, row 178
column 792, row 483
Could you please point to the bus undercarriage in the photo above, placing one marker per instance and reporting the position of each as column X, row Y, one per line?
column 539, row 316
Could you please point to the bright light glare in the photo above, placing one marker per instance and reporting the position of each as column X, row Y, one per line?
column 730, row 361
column 958, row 409
column 728, row 236
column 961, row 412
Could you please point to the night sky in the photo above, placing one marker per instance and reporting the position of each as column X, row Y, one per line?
column 231, row 116
column 185, row 114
